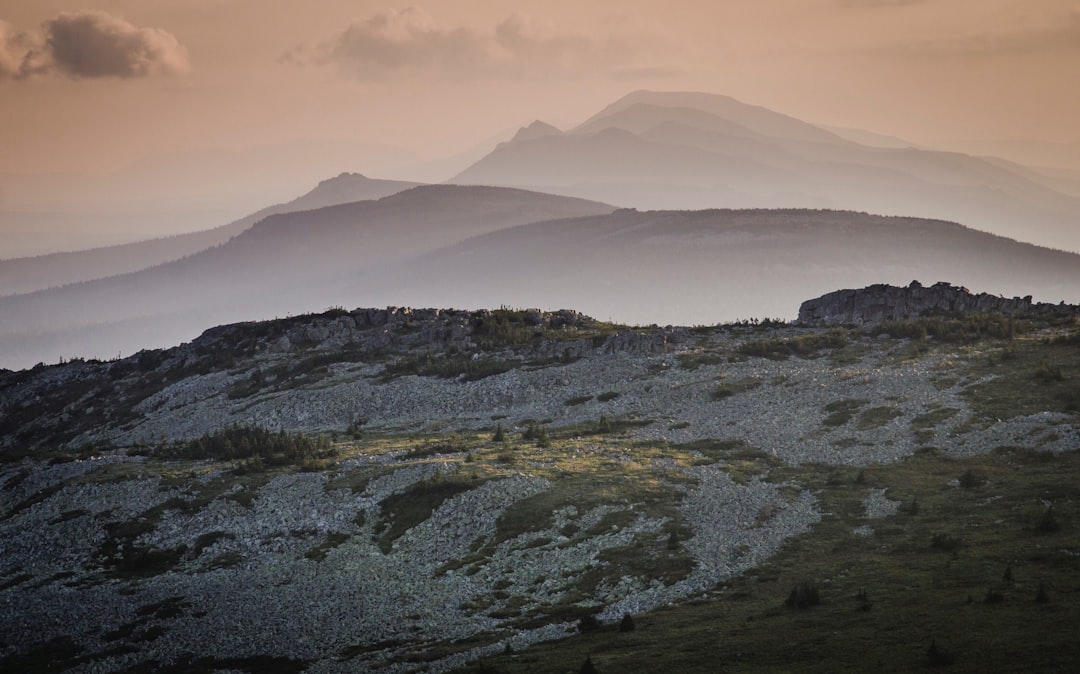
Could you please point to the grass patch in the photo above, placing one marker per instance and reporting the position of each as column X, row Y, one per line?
column 876, row 417
column 840, row 412
column 401, row 512
column 918, row 589
column 579, row 400
column 332, row 540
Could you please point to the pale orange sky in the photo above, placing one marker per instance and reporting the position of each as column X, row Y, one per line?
column 90, row 87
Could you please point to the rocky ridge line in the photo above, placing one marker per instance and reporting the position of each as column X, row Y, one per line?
column 881, row 302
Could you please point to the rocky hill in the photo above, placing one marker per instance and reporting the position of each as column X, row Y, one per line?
column 402, row 490
column 883, row 302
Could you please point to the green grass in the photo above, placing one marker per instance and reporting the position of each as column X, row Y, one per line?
column 840, row 412
column 402, row 511
column 1038, row 375
column 884, row 598
column 876, row 417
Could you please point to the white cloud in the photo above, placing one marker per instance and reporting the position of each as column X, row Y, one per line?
column 411, row 42
column 90, row 44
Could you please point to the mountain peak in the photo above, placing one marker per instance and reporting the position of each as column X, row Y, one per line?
column 758, row 119
column 535, row 130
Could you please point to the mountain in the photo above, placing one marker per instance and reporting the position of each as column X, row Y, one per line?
column 285, row 263
column 23, row 275
column 389, row 490
column 176, row 192
column 703, row 267
column 691, row 151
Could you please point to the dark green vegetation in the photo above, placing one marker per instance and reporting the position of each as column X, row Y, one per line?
column 258, row 446
column 976, row 571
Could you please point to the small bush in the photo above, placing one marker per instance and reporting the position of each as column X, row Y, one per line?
column 993, row 597
column 722, row 391
column 945, row 542
column 608, row 395
column 864, row 600
column 803, row 595
column 1041, row 597
column 587, row 667
column 1047, row 373
column 499, row 434
column 935, row 657
column 970, row 479
column 627, row 623
column 1048, row 524
column 588, row 623
column 603, row 425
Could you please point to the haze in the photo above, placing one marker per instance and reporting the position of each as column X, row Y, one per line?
column 192, row 94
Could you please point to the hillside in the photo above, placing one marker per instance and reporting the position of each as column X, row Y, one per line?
column 509, row 485
column 477, row 247
column 24, row 275
column 701, row 267
column 665, row 150
column 286, row 263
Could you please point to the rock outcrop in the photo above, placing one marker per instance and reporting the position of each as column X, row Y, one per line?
column 880, row 302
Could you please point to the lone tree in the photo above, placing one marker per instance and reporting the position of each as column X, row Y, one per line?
column 627, row 623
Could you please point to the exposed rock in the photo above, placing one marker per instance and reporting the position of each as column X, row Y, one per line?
column 880, row 302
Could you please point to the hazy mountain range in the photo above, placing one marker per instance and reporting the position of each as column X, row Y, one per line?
column 22, row 275
column 286, row 263
column 690, row 150
column 570, row 241
column 170, row 193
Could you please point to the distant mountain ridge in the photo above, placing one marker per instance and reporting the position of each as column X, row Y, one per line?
column 670, row 150
column 703, row 267
column 286, row 263
column 23, row 275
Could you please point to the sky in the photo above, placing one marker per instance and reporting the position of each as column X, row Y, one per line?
column 92, row 87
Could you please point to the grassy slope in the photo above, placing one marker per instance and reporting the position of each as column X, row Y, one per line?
column 917, row 593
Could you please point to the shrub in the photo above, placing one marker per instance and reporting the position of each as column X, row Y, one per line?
column 1048, row 524
column 1048, row 373
column 588, row 623
column 935, row 657
column 864, row 600
column 627, row 623
column 993, row 597
column 499, row 435
column 970, row 479
column 946, row 542
column 722, row 391
column 587, row 667
column 803, row 595
column 534, row 431
column 259, row 446
column 608, row 395
column 1041, row 597
column 603, row 425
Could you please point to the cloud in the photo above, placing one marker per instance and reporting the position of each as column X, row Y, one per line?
column 411, row 42
column 1056, row 32
column 16, row 47
column 90, row 44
